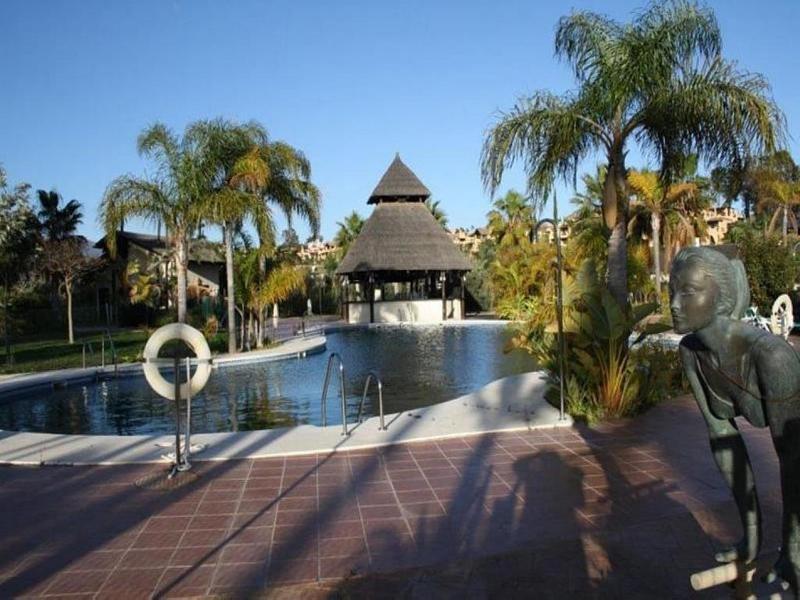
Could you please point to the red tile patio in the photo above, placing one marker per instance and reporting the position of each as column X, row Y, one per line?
column 623, row 510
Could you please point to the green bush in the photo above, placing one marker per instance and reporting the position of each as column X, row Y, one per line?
column 771, row 268
column 602, row 377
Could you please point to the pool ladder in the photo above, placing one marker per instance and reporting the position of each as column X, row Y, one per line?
column 112, row 349
column 343, row 396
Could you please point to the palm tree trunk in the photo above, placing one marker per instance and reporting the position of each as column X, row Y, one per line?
column 785, row 210
column 655, row 221
column 180, row 274
column 68, row 289
column 227, row 233
column 615, row 214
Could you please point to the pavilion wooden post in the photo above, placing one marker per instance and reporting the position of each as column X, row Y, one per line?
column 463, row 295
column 345, row 300
column 443, row 279
column 371, row 292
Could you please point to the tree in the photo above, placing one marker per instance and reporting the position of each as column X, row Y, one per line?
column 589, row 236
column 771, row 269
column 289, row 188
column 57, row 223
column 777, row 184
column 348, row 231
column 654, row 202
column 17, row 243
column 171, row 197
column 659, row 81
column 437, row 212
column 511, row 218
column 66, row 261
column 736, row 182
column 231, row 154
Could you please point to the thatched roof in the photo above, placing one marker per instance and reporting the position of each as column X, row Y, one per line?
column 403, row 236
column 399, row 184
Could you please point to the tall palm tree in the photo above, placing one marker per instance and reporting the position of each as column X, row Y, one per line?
column 172, row 197
column 57, row 223
column 777, row 185
column 659, row 81
column 348, row 231
column 231, row 153
column 289, row 188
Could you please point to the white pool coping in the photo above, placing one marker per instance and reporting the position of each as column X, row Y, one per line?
column 509, row 404
column 295, row 347
column 512, row 403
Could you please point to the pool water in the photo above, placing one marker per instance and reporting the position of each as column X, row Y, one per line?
column 419, row 366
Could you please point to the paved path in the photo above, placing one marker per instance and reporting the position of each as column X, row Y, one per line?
column 626, row 510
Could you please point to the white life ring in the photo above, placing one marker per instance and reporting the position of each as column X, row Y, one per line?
column 782, row 319
column 192, row 338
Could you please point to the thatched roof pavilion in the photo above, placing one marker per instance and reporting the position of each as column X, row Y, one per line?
column 402, row 259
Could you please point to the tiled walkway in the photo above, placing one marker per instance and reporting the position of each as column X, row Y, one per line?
column 620, row 511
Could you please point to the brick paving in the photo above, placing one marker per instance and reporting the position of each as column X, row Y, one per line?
column 623, row 510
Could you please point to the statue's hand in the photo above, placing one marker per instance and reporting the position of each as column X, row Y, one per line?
column 743, row 551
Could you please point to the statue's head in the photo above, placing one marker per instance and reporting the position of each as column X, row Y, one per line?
column 705, row 285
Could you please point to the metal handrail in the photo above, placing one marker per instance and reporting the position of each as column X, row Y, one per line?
column 83, row 351
column 370, row 376
column 324, row 403
column 113, row 349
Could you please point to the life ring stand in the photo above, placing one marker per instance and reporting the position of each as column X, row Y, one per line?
column 192, row 338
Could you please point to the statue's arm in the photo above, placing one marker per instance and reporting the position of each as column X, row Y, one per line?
column 778, row 368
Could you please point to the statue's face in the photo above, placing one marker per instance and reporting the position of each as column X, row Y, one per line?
column 693, row 298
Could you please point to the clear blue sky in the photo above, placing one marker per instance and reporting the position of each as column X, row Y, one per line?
column 349, row 83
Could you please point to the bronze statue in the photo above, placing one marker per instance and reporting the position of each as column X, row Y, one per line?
column 735, row 369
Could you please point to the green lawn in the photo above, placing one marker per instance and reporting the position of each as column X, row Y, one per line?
column 45, row 355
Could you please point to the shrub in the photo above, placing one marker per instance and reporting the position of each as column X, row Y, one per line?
column 771, row 268
column 602, row 377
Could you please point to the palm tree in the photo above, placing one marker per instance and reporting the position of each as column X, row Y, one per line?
column 289, row 188
column 589, row 238
column 653, row 202
column 438, row 213
column 172, row 197
column 777, row 185
column 659, row 81
column 231, row 153
column 348, row 231
column 57, row 223
column 511, row 218
column 289, row 185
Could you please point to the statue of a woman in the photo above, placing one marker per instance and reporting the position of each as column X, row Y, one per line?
column 735, row 369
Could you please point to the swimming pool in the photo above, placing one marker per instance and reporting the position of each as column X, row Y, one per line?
column 419, row 366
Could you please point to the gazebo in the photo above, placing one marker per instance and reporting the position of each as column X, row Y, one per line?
column 402, row 267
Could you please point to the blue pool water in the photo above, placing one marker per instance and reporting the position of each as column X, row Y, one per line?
column 419, row 366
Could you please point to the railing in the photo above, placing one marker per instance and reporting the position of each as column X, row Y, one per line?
column 372, row 375
column 112, row 349
column 324, row 403
column 83, row 351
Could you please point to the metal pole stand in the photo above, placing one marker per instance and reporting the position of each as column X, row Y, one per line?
column 176, row 466
column 185, row 465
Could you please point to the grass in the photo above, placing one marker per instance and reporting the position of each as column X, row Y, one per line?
column 49, row 354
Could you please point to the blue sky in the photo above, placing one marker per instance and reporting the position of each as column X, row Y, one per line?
column 349, row 83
